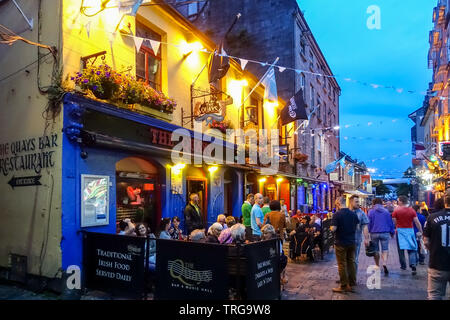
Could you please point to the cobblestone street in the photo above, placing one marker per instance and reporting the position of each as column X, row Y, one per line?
column 314, row 281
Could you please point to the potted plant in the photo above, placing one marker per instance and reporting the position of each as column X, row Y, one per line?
column 101, row 80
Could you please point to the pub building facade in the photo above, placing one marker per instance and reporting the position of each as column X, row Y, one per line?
column 89, row 163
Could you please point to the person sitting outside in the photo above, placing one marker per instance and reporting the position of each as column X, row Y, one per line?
column 127, row 228
column 213, row 233
column 221, row 219
column 175, row 232
column 143, row 231
column 276, row 218
column 225, row 235
column 268, row 233
column 302, row 240
column 197, row 235
column 238, row 233
column 317, row 234
column 164, row 229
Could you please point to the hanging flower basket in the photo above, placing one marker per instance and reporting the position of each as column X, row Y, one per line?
column 121, row 89
column 300, row 157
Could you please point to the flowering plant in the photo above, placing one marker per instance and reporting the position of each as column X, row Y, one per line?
column 300, row 157
column 105, row 83
column 221, row 126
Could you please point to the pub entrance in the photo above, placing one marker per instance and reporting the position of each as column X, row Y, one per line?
column 196, row 182
column 138, row 192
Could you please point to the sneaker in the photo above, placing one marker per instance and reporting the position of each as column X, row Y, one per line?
column 414, row 272
column 403, row 268
column 421, row 263
column 386, row 271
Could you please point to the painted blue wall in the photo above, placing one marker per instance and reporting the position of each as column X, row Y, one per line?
column 102, row 161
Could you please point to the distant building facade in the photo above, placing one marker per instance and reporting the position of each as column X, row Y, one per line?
column 277, row 28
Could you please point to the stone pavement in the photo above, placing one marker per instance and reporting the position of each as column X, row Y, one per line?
column 314, row 281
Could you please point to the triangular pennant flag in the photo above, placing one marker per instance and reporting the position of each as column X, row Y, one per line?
column 111, row 37
column 155, row 46
column 88, row 28
column 243, row 63
column 281, row 69
column 138, row 43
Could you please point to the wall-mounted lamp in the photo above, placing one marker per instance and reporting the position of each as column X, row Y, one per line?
column 213, row 169
column 262, row 180
column 188, row 48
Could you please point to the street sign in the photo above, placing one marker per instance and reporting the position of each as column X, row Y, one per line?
column 24, row 181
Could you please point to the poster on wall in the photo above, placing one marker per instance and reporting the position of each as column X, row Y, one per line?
column 176, row 182
column 94, row 200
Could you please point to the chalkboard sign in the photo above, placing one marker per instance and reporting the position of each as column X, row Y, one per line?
column 114, row 263
column 191, row 271
column 327, row 235
column 263, row 270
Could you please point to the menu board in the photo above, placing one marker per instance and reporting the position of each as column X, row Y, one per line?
column 94, row 200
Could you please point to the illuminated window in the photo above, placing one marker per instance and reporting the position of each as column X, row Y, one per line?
column 148, row 64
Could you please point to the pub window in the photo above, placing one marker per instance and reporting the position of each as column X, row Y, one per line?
column 148, row 64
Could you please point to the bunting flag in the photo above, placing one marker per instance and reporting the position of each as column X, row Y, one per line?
column 112, row 37
column 342, row 162
column 218, row 64
column 270, row 86
column 155, row 46
column 138, row 43
column 350, row 171
column 88, row 28
column 243, row 63
column 129, row 7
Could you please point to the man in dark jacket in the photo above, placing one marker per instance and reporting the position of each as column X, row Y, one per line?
column 193, row 214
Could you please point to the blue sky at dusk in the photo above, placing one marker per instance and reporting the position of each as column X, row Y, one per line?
column 395, row 55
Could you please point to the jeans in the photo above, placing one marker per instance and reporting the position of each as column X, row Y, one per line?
column 437, row 283
column 357, row 250
column 412, row 256
column 345, row 257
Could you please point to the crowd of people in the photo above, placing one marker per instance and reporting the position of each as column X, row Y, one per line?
column 415, row 230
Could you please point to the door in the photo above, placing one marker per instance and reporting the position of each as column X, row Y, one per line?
column 198, row 186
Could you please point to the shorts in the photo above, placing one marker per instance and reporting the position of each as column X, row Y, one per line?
column 382, row 238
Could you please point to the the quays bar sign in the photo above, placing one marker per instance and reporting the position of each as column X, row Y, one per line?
column 34, row 154
column 108, row 125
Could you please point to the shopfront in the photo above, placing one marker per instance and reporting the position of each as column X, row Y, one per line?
column 117, row 164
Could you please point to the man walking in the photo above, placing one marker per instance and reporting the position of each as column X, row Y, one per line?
column 381, row 228
column 437, row 240
column 361, row 228
column 257, row 217
column 246, row 210
column 344, row 224
column 193, row 214
column 404, row 217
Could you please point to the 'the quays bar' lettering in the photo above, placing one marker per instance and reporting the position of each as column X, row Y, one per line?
column 28, row 154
